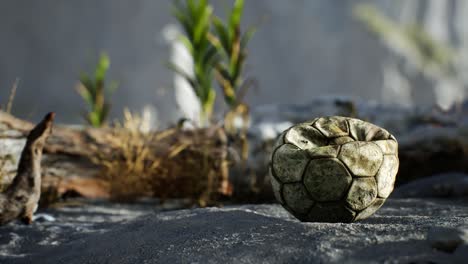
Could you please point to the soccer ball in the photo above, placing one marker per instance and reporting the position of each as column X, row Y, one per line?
column 333, row 169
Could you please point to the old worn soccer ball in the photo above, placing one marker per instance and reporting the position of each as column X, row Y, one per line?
column 334, row 169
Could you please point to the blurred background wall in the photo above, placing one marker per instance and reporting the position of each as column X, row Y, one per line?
column 303, row 49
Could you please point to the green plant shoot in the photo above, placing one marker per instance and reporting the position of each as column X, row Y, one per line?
column 195, row 17
column 94, row 92
column 231, row 45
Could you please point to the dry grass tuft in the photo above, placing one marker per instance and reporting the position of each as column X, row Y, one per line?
column 12, row 96
column 169, row 164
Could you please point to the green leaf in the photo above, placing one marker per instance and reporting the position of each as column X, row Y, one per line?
column 202, row 26
column 186, row 42
column 183, row 20
column 202, row 5
column 247, row 36
column 210, row 57
column 182, row 73
column 102, row 67
column 222, row 34
column 93, row 119
column 192, row 9
column 223, row 71
column 104, row 113
column 228, row 89
column 235, row 17
column 235, row 52
column 84, row 93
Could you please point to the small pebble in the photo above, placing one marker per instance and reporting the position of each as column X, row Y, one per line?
column 448, row 239
column 43, row 218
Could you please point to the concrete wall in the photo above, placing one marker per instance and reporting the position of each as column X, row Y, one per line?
column 303, row 49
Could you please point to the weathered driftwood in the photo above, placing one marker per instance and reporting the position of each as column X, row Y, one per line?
column 65, row 162
column 20, row 199
column 75, row 159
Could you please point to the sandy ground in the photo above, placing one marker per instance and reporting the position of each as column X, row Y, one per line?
column 109, row 233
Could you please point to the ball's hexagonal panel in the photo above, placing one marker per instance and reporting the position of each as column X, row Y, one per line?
column 288, row 163
column 331, row 127
column 323, row 152
column 330, row 212
column 386, row 176
column 388, row 147
column 362, row 158
column 276, row 185
column 364, row 131
column 362, row 193
column 279, row 141
column 378, row 202
column 296, row 197
column 341, row 140
column 326, row 179
column 305, row 136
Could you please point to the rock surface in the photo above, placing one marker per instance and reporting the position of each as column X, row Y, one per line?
column 234, row 234
column 443, row 185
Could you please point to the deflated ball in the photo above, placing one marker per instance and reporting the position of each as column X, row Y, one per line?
column 334, row 169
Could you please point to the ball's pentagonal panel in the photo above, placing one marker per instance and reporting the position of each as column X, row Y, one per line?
column 388, row 147
column 330, row 212
column 296, row 197
column 386, row 175
column 362, row 158
column 305, row 136
column 288, row 163
column 341, row 140
column 364, row 131
column 334, row 169
column 362, row 193
column 276, row 185
column 326, row 179
column 323, row 152
column 378, row 202
column 331, row 127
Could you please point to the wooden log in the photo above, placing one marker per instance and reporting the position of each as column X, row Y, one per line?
column 75, row 159
column 21, row 198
